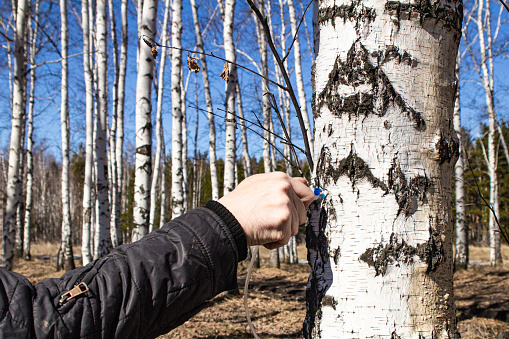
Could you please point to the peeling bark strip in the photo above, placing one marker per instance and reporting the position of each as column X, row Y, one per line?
column 352, row 166
column 355, row 11
column 451, row 15
column 358, row 70
column 320, row 278
column 407, row 193
column 431, row 253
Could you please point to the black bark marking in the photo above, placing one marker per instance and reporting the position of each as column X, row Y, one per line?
column 394, row 335
column 352, row 166
column 448, row 149
column 359, row 70
column 431, row 253
column 337, row 255
column 320, row 278
column 355, row 12
column 392, row 53
column 144, row 150
column 449, row 14
column 329, row 301
column 407, row 193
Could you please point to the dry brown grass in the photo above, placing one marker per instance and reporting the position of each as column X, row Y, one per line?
column 482, row 254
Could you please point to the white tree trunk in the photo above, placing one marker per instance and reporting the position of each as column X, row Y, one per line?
column 102, row 188
column 183, row 94
column 163, row 186
column 248, row 169
column 298, row 71
column 380, row 243
column 112, row 158
column 177, row 167
column 208, row 100
column 86, row 254
column 66, row 260
column 119, row 144
column 495, row 253
column 229, row 51
column 461, row 257
column 144, row 123
column 159, row 118
column 17, row 118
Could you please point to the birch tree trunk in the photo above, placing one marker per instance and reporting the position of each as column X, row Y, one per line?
column 177, row 167
column 229, row 51
column 380, row 243
column 86, row 254
column 112, row 158
column 143, row 123
column 495, row 251
column 65, row 260
column 119, row 144
column 17, row 118
column 102, row 188
column 159, row 118
column 208, row 100
column 298, row 71
column 248, row 169
column 183, row 94
column 33, row 32
column 461, row 257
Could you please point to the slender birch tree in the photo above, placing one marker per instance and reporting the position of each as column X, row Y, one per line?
column 119, row 144
column 33, row 31
column 143, row 122
column 159, row 118
column 183, row 95
column 177, row 166
column 248, row 169
column 229, row 51
column 380, row 242
column 86, row 254
column 17, row 118
column 102, row 189
column 65, row 258
column 208, row 101
column 461, row 256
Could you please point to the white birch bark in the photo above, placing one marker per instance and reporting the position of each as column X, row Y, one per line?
column 66, row 260
column 144, row 123
column 229, row 51
column 102, row 188
column 208, row 100
column 159, row 118
column 33, row 31
column 89, row 111
column 298, row 71
column 248, row 168
column 461, row 256
column 196, row 177
column 17, row 118
column 183, row 94
column 177, row 167
column 485, row 48
column 380, row 243
column 119, row 144
column 163, row 185
column 112, row 158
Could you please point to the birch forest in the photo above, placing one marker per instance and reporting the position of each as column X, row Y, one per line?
column 118, row 116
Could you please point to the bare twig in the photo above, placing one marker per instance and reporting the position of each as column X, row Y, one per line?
column 505, row 5
column 297, row 33
column 289, row 88
column 151, row 43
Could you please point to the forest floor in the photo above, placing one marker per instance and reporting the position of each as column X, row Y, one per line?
column 277, row 299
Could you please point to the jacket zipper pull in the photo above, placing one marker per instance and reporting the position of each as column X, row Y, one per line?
column 74, row 292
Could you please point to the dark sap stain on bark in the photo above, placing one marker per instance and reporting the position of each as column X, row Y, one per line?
column 329, row 301
column 352, row 166
column 355, row 11
column 358, row 70
column 451, row 15
column 407, row 192
column 430, row 252
column 448, row 149
column 320, row 278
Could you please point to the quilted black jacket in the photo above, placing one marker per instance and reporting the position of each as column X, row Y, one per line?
column 140, row 290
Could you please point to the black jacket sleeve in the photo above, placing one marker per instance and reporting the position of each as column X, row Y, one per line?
column 140, row 290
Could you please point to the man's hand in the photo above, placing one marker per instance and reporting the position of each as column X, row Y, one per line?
column 269, row 207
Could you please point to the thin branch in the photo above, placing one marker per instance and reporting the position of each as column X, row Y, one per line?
column 289, row 88
column 52, row 62
column 150, row 43
column 505, row 5
column 297, row 33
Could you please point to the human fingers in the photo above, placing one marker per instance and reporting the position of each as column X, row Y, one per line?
column 302, row 190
